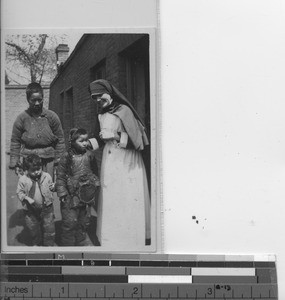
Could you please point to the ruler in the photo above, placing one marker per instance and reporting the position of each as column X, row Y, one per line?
column 89, row 276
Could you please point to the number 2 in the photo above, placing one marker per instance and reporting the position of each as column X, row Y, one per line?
column 135, row 292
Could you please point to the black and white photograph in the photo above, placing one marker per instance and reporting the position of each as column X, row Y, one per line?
column 80, row 139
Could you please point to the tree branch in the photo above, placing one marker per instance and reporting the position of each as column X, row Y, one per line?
column 32, row 53
column 43, row 69
column 19, row 49
column 41, row 46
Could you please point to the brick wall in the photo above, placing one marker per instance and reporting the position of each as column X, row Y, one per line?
column 76, row 74
column 15, row 103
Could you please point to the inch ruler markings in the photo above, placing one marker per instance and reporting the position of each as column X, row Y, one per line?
column 107, row 276
column 132, row 291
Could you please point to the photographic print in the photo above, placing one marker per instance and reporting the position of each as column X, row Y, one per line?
column 79, row 115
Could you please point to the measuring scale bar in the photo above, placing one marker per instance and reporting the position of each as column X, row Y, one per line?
column 121, row 274
column 137, row 291
column 136, row 277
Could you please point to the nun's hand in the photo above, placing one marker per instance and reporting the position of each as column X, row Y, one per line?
column 109, row 135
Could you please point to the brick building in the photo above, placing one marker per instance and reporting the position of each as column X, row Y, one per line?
column 15, row 103
column 123, row 59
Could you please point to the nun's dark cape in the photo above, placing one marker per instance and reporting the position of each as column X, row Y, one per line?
column 124, row 110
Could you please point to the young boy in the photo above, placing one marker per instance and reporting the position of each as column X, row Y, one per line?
column 34, row 190
column 36, row 131
column 77, row 187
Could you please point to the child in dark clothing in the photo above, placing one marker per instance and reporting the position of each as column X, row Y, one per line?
column 77, row 187
column 35, row 192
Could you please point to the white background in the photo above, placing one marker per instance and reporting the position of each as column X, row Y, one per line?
column 223, row 100
column 223, row 107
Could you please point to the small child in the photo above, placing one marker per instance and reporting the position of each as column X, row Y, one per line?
column 77, row 187
column 34, row 190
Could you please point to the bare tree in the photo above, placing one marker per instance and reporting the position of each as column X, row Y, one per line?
column 31, row 57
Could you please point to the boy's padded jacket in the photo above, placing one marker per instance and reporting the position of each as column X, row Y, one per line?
column 72, row 166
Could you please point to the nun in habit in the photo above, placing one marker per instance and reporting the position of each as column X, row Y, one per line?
column 124, row 203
